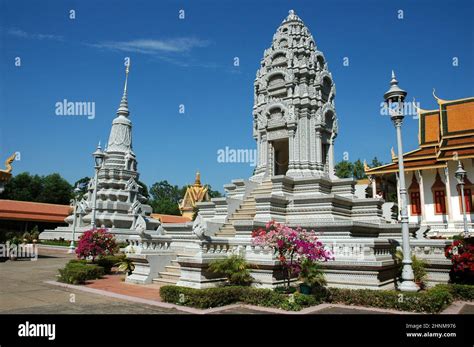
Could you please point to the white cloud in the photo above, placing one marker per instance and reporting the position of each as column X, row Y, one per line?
column 26, row 35
column 149, row 46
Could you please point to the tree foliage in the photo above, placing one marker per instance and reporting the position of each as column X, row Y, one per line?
column 347, row 169
column 50, row 189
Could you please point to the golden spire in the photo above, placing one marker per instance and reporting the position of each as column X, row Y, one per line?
column 197, row 181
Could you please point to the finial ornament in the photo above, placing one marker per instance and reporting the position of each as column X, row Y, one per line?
column 440, row 101
column 123, row 108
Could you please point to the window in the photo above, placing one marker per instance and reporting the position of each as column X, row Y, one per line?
column 415, row 200
column 439, row 195
column 467, row 199
column 415, row 203
column 440, row 201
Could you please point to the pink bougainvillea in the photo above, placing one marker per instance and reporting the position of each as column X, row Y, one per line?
column 292, row 246
column 94, row 243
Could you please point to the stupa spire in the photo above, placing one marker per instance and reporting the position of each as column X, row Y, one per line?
column 123, row 108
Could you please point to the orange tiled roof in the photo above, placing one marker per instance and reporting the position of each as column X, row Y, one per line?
column 33, row 211
column 441, row 138
column 168, row 218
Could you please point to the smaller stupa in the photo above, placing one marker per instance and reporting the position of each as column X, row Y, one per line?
column 194, row 193
column 119, row 202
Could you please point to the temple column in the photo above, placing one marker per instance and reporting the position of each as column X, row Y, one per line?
column 291, row 145
column 448, row 194
column 319, row 148
column 422, row 196
column 303, row 145
column 312, row 145
column 259, row 161
column 331, row 157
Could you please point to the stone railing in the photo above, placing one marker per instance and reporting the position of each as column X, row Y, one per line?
column 360, row 250
column 141, row 245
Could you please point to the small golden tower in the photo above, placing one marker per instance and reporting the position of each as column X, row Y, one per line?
column 194, row 194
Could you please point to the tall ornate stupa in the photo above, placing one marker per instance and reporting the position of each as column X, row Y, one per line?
column 119, row 202
column 295, row 125
column 294, row 118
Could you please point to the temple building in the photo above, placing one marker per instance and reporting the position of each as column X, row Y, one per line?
column 194, row 193
column 294, row 125
column 119, row 203
column 446, row 136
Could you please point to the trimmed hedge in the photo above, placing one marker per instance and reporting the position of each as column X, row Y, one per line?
column 79, row 271
column 432, row 300
column 459, row 291
column 221, row 296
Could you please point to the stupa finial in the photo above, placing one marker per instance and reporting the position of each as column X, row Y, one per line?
column 123, row 108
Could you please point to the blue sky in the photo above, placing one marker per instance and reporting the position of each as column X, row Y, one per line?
column 190, row 61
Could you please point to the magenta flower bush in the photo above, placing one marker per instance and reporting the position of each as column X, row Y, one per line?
column 293, row 246
column 94, row 243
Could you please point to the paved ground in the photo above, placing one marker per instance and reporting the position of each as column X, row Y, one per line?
column 22, row 290
column 467, row 309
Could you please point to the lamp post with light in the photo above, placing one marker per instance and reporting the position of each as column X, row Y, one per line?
column 74, row 201
column 98, row 158
column 460, row 175
column 396, row 96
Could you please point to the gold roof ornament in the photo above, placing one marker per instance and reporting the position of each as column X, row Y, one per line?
column 197, row 181
column 8, row 163
column 366, row 167
column 438, row 100
column 392, row 151
column 194, row 193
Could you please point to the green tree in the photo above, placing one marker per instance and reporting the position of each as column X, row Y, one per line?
column 51, row 189
column 23, row 187
column 213, row 193
column 375, row 162
column 143, row 190
column 165, row 198
column 344, row 169
column 358, row 170
column 55, row 190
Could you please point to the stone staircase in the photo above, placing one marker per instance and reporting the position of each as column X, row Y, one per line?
column 246, row 210
column 170, row 275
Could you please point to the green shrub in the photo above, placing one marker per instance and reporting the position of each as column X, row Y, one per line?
column 459, row 291
column 263, row 297
column 312, row 274
column 285, row 290
column 430, row 301
column 221, row 296
column 78, row 272
column 234, row 268
column 109, row 261
column 201, row 298
column 418, row 266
